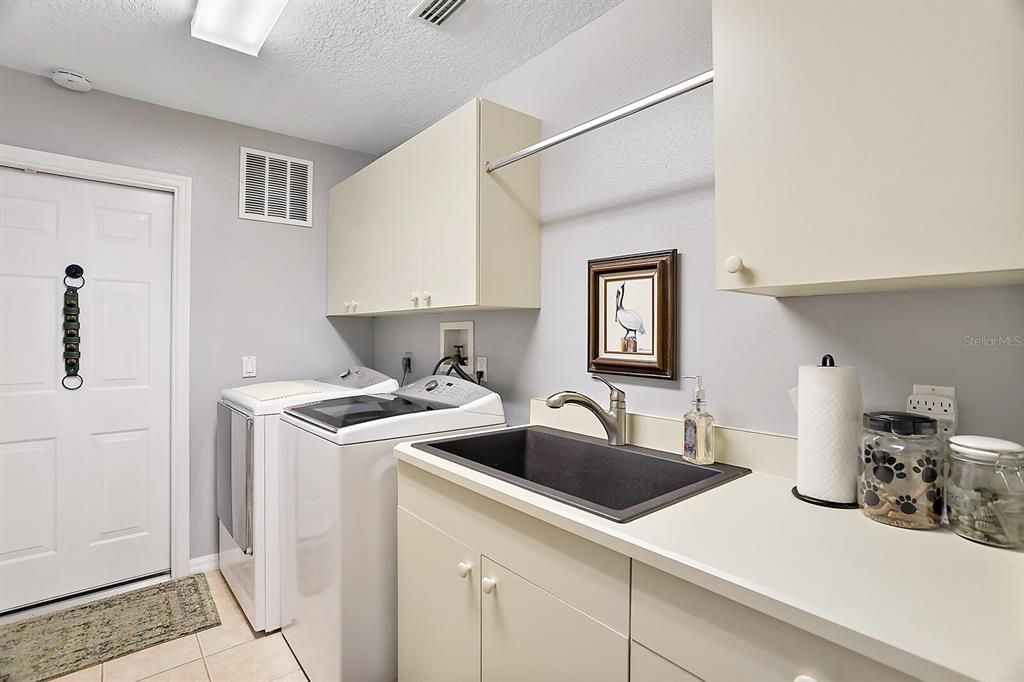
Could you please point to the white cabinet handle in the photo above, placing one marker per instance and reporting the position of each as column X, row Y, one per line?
column 414, row 297
column 464, row 569
column 348, row 304
column 735, row 264
column 488, row 585
column 426, row 296
column 355, row 304
column 804, row 678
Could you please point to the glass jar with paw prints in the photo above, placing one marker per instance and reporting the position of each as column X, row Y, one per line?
column 901, row 470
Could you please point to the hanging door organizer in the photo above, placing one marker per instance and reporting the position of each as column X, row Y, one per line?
column 72, row 380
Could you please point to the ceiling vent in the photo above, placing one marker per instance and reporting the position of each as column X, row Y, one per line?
column 275, row 188
column 435, row 12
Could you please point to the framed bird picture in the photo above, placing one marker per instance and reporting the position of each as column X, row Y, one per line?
column 632, row 315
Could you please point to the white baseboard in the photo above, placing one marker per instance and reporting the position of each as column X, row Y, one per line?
column 204, row 564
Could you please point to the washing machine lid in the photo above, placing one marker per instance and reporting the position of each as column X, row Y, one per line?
column 274, row 397
column 339, row 413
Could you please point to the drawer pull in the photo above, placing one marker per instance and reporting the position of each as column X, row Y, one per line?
column 414, row 297
column 488, row 585
column 464, row 569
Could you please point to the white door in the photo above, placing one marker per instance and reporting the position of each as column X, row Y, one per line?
column 85, row 474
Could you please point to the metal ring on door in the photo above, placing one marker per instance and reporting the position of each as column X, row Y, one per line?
column 64, row 382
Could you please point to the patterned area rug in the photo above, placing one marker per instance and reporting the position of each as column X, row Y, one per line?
column 59, row 643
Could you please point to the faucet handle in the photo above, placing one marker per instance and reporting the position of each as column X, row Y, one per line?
column 617, row 396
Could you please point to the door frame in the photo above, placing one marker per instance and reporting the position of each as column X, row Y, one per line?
column 180, row 187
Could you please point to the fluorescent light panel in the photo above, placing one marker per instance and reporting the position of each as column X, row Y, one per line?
column 241, row 25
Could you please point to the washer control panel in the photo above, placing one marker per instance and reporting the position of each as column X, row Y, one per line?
column 443, row 390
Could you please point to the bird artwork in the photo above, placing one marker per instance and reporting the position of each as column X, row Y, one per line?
column 630, row 320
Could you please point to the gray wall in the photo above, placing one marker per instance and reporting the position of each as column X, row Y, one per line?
column 257, row 288
column 647, row 183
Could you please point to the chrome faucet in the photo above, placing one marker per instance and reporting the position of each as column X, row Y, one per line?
column 613, row 419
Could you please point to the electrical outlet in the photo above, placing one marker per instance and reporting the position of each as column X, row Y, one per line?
column 407, row 362
column 938, row 402
column 481, row 366
column 248, row 366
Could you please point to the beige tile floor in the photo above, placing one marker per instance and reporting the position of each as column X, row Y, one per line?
column 230, row 652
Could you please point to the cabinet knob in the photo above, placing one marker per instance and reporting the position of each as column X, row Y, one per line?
column 348, row 304
column 414, row 297
column 426, row 296
column 488, row 585
column 735, row 264
column 464, row 569
column 804, row 678
column 355, row 304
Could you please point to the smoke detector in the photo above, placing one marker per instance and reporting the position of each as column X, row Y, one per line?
column 72, row 80
column 435, row 12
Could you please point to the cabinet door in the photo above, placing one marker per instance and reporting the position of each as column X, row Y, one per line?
column 438, row 606
column 868, row 146
column 529, row 634
column 373, row 257
column 445, row 194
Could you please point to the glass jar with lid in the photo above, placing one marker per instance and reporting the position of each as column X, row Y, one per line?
column 985, row 492
column 900, row 482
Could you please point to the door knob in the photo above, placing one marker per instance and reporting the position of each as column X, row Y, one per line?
column 464, row 569
column 488, row 585
column 733, row 264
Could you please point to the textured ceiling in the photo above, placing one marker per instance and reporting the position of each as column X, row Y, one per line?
column 354, row 73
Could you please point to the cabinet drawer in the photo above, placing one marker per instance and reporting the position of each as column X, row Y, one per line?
column 647, row 666
column 585, row 575
column 719, row 640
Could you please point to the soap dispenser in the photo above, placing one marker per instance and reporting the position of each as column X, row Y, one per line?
column 698, row 429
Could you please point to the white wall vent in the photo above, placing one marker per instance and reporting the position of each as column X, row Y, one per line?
column 435, row 12
column 275, row 188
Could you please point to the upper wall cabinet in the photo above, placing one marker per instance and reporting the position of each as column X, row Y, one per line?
column 868, row 146
column 425, row 227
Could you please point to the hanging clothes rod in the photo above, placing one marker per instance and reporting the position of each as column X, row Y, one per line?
column 611, row 117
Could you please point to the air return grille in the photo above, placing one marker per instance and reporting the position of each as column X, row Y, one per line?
column 435, row 12
column 275, row 188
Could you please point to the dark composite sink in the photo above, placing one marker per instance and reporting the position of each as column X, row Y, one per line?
column 620, row 482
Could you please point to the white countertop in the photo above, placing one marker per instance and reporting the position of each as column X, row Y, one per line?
column 928, row 603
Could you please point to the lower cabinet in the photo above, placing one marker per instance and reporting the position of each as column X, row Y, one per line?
column 464, row 618
column 528, row 634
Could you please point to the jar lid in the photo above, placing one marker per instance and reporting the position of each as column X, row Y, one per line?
column 984, row 448
column 901, row 423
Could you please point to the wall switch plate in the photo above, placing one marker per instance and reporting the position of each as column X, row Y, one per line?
column 938, row 402
column 248, row 366
column 481, row 368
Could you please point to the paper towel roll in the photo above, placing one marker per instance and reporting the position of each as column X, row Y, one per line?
column 828, row 433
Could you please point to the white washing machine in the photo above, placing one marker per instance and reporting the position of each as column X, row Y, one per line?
column 248, row 485
column 339, row 516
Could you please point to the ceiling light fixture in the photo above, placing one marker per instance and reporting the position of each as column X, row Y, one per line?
column 241, row 25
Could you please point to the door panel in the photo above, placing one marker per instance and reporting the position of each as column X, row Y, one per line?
column 438, row 610
column 529, row 634
column 84, row 475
